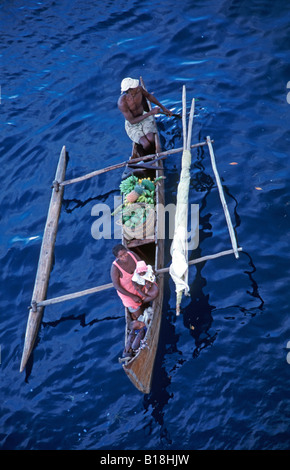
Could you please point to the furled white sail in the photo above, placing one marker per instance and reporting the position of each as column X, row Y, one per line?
column 179, row 247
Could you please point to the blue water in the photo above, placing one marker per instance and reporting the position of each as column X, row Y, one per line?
column 221, row 378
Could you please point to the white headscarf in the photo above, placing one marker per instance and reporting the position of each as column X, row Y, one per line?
column 128, row 83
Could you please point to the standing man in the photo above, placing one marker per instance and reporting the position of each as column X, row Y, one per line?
column 139, row 124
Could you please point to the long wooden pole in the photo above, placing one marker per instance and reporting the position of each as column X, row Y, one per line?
column 96, row 289
column 223, row 201
column 45, row 261
column 75, row 295
column 122, row 164
column 202, row 259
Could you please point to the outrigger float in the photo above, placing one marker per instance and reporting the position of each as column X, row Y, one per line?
column 149, row 247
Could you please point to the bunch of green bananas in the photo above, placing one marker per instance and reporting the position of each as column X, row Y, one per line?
column 147, row 196
column 128, row 184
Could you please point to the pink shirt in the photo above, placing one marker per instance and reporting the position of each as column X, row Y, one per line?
column 126, row 283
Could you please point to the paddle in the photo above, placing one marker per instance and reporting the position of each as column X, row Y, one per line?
column 175, row 115
column 149, row 165
column 172, row 115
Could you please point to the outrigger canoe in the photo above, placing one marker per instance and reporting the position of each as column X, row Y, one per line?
column 139, row 369
column 150, row 248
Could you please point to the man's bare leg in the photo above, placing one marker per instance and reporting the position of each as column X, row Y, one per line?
column 148, row 143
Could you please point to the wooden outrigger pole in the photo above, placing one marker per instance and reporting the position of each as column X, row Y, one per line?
column 222, row 198
column 45, row 261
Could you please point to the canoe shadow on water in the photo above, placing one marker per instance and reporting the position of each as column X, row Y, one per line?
column 197, row 318
column 72, row 204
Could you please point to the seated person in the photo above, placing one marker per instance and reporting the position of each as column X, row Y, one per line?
column 122, row 271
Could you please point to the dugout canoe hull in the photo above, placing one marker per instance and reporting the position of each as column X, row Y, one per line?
column 140, row 368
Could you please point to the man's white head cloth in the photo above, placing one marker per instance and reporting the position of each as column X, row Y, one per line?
column 128, row 83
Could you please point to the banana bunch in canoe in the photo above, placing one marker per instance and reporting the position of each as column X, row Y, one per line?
column 139, row 190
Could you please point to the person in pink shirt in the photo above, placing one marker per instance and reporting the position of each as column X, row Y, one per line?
column 122, row 272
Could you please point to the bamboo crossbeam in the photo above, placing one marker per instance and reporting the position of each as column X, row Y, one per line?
column 122, row 164
column 45, row 261
column 74, row 295
column 202, row 259
column 223, row 201
column 94, row 290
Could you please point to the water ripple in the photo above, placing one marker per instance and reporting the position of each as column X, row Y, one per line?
column 219, row 380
